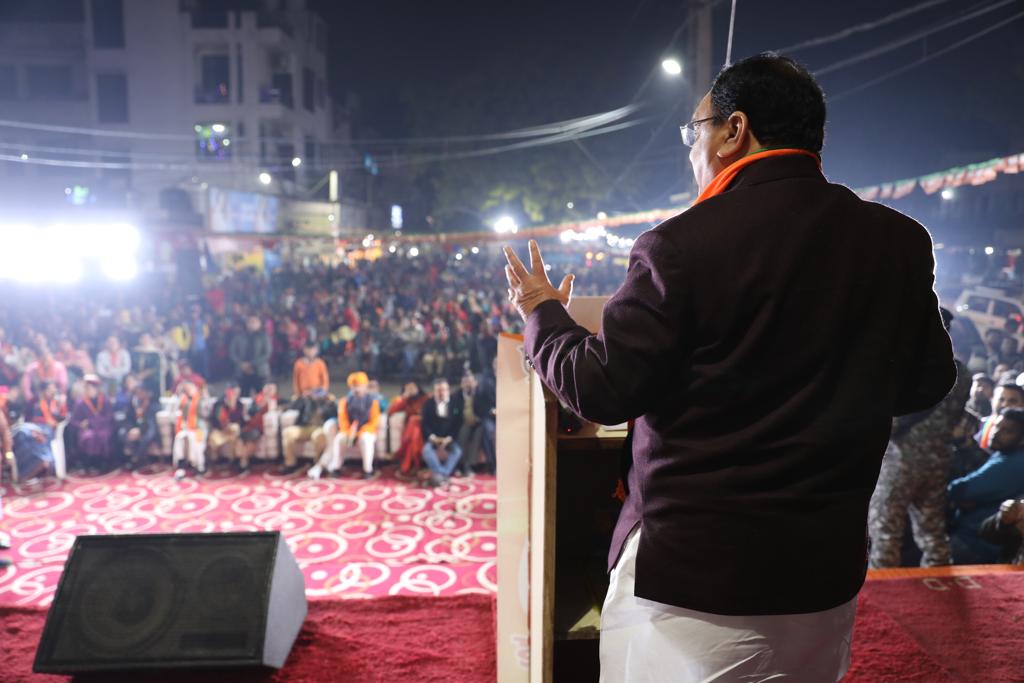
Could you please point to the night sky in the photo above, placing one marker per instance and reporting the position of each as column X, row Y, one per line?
column 958, row 108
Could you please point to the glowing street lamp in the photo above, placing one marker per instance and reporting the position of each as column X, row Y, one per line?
column 265, row 178
column 506, row 225
column 948, row 193
column 296, row 162
column 672, row 66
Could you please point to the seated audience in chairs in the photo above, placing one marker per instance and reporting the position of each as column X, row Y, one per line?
column 982, row 388
column 309, row 373
column 7, row 448
column 149, row 364
column 440, row 422
column 373, row 388
column 226, row 421
column 262, row 403
column 187, row 375
column 1006, row 529
column 314, row 410
column 979, row 494
column 113, row 363
column 33, row 450
column 48, row 409
column 76, row 360
column 11, row 404
column 356, row 429
column 92, row 426
column 45, row 369
column 137, row 429
column 189, row 440
column 409, row 406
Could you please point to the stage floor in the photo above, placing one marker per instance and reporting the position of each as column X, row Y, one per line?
column 352, row 539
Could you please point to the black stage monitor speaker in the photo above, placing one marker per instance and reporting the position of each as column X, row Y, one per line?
column 166, row 601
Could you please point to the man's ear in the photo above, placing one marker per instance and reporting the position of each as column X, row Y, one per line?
column 738, row 136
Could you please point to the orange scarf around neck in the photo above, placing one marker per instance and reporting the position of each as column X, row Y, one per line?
column 725, row 177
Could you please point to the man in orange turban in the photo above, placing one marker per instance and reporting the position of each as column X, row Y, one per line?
column 357, row 424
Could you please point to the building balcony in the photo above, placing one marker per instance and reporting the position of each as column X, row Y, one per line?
column 219, row 94
column 275, row 20
column 277, row 92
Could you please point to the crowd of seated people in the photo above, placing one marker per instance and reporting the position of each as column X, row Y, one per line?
column 954, row 474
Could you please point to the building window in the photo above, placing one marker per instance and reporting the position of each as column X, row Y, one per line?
column 8, row 82
column 308, row 93
column 50, row 82
column 209, row 18
column 214, row 79
column 213, row 141
column 309, row 152
column 241, row 74
column 112, row 98
column 108, row 24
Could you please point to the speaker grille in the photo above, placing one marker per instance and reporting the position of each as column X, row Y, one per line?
column 160, row 600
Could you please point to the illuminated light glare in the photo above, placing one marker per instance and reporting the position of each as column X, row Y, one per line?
column 414, row 252
column 601, row 215
column 217, row 128
column 265, row 178
column 475, row 250
column 990, row 250
column 24, row 157
column 671, row 66
column 948, row 194
column 227, row 142
column 458, row 257
column 392, row 249
column 296, row 162
column 506, row 225
column 547, row 266
column 600, row 256
column 330, row 217
column 570, row 205
column 119, row 267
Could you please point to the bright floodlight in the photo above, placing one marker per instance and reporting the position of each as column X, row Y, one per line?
column 120, row 267
column 671, row 66
column 475, row 250
column 218, row 128
column 990, row 250
column 297, row 161
column 506, row 225
column 948, row 193
column 414, row 251
column 265, row 178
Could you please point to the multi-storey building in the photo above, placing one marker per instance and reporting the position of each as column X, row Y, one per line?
column 124, row 103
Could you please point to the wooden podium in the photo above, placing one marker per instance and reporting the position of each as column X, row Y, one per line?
column 556, row 514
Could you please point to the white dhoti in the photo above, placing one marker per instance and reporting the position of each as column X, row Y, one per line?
column 190, row 444
column 643, row 641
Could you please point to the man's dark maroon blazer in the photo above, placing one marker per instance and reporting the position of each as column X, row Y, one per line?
column 763, row 339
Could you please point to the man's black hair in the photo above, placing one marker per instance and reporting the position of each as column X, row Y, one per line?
column 310, row 344
column 440, row 380
column 1015, row 415
column 783, row 102
column 1011, row 385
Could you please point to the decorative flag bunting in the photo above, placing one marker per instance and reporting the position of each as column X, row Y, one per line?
column 972, row 174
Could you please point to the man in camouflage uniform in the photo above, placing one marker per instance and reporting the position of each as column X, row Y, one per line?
column 913, row 478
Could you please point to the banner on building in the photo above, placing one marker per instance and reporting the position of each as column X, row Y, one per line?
column 244, row 212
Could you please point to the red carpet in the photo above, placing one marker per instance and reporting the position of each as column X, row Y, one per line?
column 352, row 539
column 950, row 630
column 937, row 630
column 388, row 640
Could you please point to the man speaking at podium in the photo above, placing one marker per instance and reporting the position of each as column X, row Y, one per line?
column 763, row 340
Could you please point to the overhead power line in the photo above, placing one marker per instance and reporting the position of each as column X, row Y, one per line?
column 900, row 42
column 555, row 128
column 907, row 67
column 860, row 28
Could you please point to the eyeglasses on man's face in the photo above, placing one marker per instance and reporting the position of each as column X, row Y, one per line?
column 689, row 131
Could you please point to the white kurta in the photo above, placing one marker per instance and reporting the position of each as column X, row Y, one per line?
column 650, row 642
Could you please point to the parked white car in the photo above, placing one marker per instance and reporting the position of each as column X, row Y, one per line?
column 990, row 308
